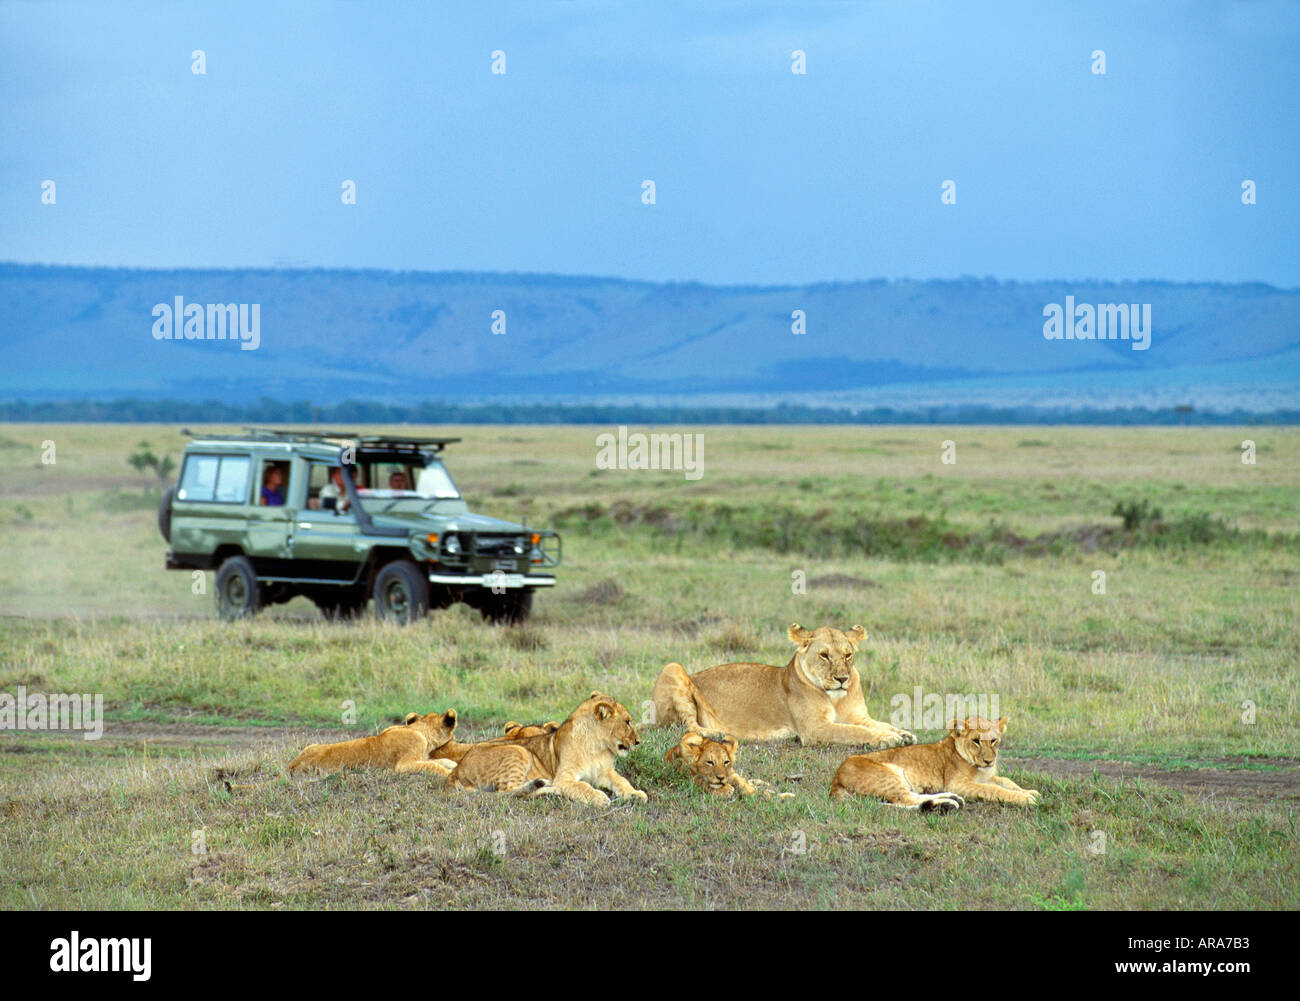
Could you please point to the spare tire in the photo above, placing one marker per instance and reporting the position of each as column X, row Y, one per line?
column 165, row 513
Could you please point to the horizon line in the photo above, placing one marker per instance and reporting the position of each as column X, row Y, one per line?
column 551, row 275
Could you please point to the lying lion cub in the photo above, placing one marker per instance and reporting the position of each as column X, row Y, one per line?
column 817, row 697
column 453, row 751
column 935, row 776
column 404, row 748
column 570, row 761
column 711, row 763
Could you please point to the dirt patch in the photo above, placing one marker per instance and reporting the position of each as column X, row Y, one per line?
column 1249, row 785
column 206, row 735
column 195, row 735
column 57, row 486
column 1241, row 784
column 607, row 592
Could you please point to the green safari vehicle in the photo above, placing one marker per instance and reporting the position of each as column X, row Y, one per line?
column 342, row 518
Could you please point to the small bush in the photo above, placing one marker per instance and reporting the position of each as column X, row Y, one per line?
column 732, row 639
column 524, row 637
column 1136, row 514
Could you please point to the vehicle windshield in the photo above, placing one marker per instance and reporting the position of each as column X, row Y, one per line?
column 397, row 481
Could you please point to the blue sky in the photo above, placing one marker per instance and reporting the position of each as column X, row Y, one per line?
column 763, row 176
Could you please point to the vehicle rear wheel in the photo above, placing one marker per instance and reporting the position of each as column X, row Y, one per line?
column 239, row 595
column 401, row 593
column 507, row 609
column 341, row 605
column 165, row 513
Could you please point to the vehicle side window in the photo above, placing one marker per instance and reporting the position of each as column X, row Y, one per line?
column 199, row 481
column 218, row 478
column 318, row 477
column 232, row 479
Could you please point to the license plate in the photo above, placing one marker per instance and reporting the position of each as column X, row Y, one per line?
column 503, row 580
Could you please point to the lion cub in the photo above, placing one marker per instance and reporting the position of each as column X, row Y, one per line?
column 404, row 748
column 575, row 761
column 452, row 752
column 710, row 762
column 935, row 776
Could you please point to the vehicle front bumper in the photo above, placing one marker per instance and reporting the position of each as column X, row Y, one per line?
column 495, row 579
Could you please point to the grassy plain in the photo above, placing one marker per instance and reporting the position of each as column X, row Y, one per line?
column 974, row 577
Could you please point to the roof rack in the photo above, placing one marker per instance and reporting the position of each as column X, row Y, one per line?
column 398, row 441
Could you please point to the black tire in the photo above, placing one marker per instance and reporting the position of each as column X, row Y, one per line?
column 507, row 609
column 239, row 595
column 165, row 513
column 341, row 605
column 401, row 593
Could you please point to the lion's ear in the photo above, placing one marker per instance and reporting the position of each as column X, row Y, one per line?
column 732, row 745
column 692, row 741
column 856, row 635
column 798, row 634
column 604, row 710
column 511, row 727
column 956, row 728
column 411, row 718
column 551, row 727
column 449, row 718
column 1002, row 725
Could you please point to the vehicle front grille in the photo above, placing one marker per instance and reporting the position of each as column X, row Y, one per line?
column 496, row 546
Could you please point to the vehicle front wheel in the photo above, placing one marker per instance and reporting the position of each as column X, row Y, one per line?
column 239, row 595
column 508, row 609
column 401, row 593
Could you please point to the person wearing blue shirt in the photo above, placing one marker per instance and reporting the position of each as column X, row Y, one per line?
column 272, row 495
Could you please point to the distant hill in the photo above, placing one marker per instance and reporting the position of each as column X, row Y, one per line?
column 405, row 337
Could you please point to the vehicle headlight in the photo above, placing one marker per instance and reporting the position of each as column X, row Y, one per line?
column 519, row 547
column 451, row 546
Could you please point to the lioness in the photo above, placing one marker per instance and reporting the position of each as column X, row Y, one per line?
column 570, row 761
column 404, row 748
column 817, row 697
column 935, row 776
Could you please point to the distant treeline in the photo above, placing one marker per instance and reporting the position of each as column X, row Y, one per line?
column 267, row 410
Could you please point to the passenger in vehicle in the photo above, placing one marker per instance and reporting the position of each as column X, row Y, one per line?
column 272, row 481
column 335, row 489
column 397, row 481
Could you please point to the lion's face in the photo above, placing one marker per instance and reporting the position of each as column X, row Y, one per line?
column 522, row 731
column 977, row 740
column 615, row 723
column 711, row 762
column 825, row 655
column 436, row 728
